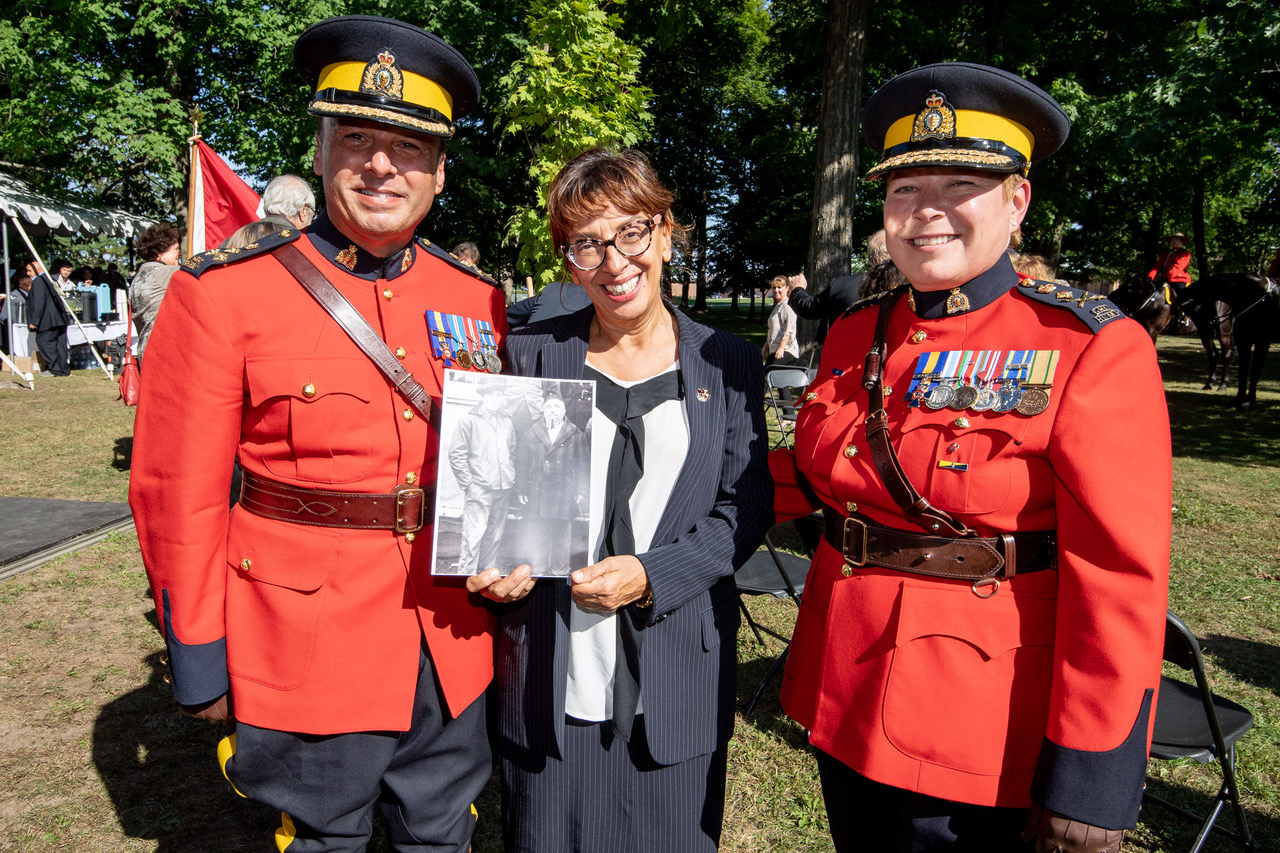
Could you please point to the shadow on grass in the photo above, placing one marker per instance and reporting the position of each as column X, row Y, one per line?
column 1205, row 426
column 161, row 773
column 1248, row 660
column 122, row 459
column 1173, row 831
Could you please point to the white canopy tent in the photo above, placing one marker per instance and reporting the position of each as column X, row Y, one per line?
column 19, row 204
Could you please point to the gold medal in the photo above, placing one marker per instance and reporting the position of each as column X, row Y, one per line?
column 463, row 358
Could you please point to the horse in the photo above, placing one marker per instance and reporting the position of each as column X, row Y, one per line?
column 1255, row 311
column 1212, row 321
column 1144, row 302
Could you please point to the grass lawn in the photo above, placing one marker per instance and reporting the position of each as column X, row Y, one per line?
column 96, row 759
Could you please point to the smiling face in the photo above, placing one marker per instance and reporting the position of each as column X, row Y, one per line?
column 626, row 292
column 946, row 226
column 379, row 181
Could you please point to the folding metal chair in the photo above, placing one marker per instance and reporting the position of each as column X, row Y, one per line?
column 1193, row 722
column 778, row 573
column 785, row 410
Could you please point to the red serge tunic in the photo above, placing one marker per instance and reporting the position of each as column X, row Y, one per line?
column 319, row 629
column 1045, row 690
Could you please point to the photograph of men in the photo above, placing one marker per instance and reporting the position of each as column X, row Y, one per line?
column 513, row 485
column 481, row 457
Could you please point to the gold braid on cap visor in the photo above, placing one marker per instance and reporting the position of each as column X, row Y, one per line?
column 982, row 140
column 424, row 105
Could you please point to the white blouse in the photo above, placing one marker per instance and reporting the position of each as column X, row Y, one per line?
column 593, row 637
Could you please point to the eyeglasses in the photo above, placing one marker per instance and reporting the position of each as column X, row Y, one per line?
column 632, row 240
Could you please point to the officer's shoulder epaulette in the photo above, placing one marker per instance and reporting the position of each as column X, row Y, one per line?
column 1093, row 309
column 873, row 299
column 199, row 264
column 455, row 262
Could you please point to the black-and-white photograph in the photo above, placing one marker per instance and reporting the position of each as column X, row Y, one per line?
column 513, row 482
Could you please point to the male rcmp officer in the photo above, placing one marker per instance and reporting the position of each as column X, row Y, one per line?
column 356, row 677
column 979, row 647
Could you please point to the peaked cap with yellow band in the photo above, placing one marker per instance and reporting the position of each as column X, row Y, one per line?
column 961, row 114
column 383, row 70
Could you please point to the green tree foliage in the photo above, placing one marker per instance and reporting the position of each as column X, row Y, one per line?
column 97, row 95
column 704, row 62
column 574, row 88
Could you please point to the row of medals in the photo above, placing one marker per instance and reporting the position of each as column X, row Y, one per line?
column 1026, row 401
column 480, row 358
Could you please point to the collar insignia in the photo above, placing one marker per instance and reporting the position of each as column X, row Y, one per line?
column 957, row 302
column 936, row 121
column 347, row 257
column 407, row 260
column 382, row 77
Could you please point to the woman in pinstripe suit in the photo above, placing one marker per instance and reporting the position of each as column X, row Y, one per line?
column 615, row 691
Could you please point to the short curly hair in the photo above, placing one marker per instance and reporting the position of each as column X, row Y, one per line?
column 600, row 177
column 156, row 240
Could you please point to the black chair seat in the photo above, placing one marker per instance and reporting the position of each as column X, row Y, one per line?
column 759, row 575
column 1182, row 729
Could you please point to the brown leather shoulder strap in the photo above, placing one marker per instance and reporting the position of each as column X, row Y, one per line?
column 356, row 327
column 917, row 508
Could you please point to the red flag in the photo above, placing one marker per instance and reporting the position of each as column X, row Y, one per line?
column 221, row 202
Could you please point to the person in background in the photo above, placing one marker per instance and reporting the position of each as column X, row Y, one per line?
column 248, row 235
column 65, row 281
column 780, row 344
column 289, row 198
column 1033, row 266
column 615, row 691
column 47, row 317
column 1172, row 267
column 840, row 294
column 12, row 314
column 468, row 253
column 979, row 647
column 159, row 249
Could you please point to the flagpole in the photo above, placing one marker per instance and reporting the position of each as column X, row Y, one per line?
column 191, row 180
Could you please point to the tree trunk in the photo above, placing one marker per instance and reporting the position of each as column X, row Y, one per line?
column 704, row 199
column 836, row 173
column 1197, row 226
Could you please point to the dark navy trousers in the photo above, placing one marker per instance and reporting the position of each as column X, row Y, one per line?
column 870, row 817
column 425, row 780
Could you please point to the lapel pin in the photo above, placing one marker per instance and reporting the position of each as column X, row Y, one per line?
column 703, row 395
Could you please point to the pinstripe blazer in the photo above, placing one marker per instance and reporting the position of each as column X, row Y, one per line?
column 717, row 515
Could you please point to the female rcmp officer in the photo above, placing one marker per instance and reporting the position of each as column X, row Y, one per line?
column 980, row 642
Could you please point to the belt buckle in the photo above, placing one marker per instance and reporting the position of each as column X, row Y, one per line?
column 844, row 544
column 404, row 495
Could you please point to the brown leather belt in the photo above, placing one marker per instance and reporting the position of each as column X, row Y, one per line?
column 405, row 510
column 864, row 543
